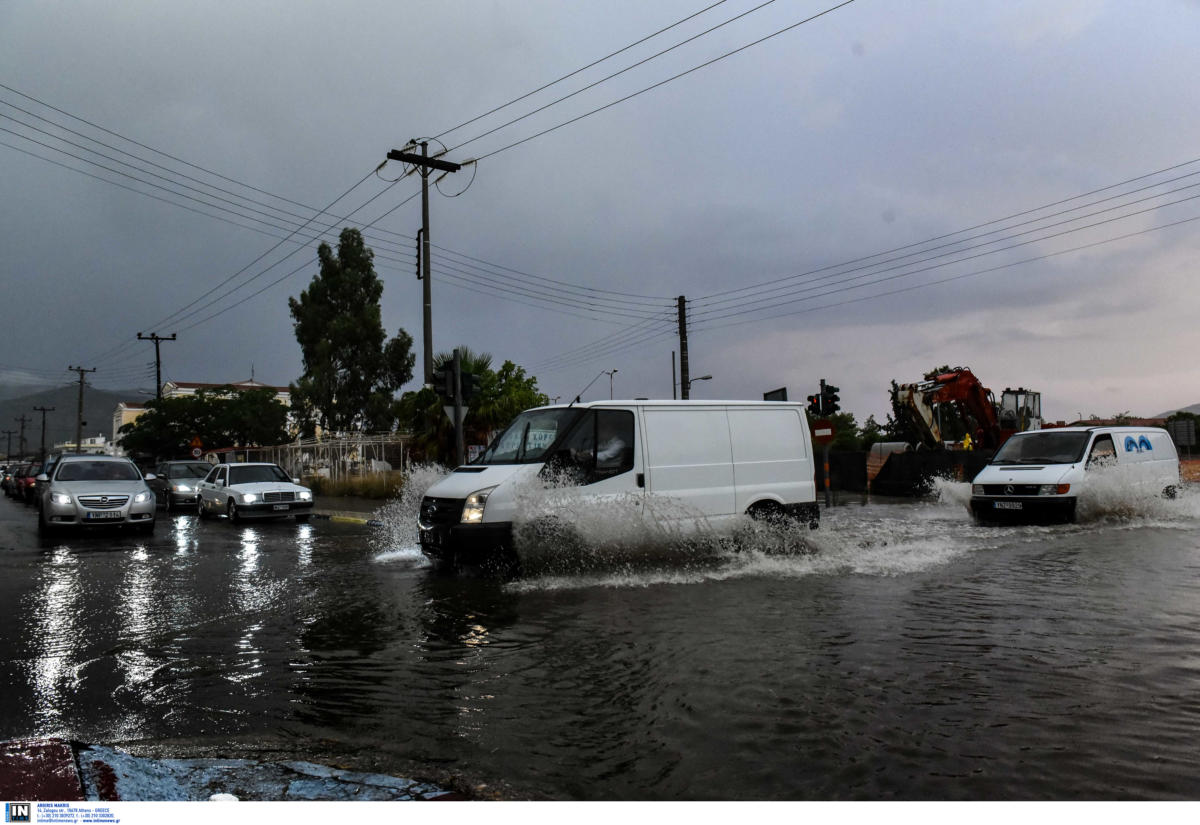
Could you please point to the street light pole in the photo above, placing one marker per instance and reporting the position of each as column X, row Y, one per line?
column 610, row 374
column 688, row 386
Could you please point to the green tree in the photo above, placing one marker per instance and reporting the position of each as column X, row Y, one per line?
column 219, row 417
column 350, row 375
column 502, row 394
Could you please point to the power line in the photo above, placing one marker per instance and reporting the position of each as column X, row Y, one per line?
column 664, row 82
column 614, row 74
column 579, row 70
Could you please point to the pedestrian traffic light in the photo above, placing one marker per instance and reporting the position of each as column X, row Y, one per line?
column 830, row 404
column 814, row 406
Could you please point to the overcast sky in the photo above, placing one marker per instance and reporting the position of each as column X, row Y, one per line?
column 889, row 187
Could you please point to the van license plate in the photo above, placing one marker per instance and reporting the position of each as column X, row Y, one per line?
column 102, row 516
column 1009, row 505
column 280, row 507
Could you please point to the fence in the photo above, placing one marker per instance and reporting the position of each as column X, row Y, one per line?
column 336, row 458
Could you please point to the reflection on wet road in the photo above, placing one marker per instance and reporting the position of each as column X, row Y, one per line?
column 909, row 655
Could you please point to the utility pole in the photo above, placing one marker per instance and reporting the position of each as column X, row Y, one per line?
column 459, row 441
column 10, row 434
column 21, row 448
column 43, row 411
column 79, row 417
column 684, row 384
column 154, row 336
column 425, row 164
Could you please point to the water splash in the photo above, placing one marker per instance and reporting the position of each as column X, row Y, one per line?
column 395, row 540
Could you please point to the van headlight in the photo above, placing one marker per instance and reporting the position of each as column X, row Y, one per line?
column 976, row 489
column 1054, row 489
column 473, row 508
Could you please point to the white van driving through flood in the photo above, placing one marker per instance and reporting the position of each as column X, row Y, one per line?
column 1038, row 476
column 715, row 460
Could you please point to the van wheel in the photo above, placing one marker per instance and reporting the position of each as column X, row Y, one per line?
column 768, row 512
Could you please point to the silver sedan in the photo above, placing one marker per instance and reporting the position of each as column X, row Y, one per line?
column 93, row 491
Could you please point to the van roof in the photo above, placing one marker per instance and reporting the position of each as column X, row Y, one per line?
column 658, row 402
column 1096, row 430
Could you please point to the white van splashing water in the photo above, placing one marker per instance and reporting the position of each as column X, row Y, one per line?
column 396, row 539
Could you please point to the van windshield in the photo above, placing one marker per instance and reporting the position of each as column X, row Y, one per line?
column 1043, row 447
column 528, row 438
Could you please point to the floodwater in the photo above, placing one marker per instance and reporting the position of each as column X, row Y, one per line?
column 898, row 652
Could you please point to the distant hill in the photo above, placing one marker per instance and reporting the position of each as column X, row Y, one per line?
column 1194, row 409
column 98, row 408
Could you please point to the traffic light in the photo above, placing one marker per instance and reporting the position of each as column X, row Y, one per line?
column 814, row 406
column 443, row 382
column 470, row 386
column 830, row 404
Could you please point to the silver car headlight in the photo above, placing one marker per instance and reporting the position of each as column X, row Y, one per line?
column 142, row 497
column 473, row 508
column 249, row 498
column 181, row 488
column 60, row 498
column 304, row 495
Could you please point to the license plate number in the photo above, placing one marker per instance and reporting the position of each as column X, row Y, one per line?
column 103, row 516
column 280, row 507
column 1009, row 505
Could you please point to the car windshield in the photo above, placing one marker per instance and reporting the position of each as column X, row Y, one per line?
column 256, row 473
column 528, row 438
column 193, row 469
column 97, row 471
column 1043, row 447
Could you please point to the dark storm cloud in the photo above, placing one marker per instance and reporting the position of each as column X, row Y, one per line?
column 865, row 131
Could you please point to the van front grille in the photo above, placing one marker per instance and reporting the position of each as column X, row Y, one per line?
column 441, row 511
column 1010, row 489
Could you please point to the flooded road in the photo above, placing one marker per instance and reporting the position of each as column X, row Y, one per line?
column 908, row 655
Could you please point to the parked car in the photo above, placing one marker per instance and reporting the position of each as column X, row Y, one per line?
column 255, row 490
column 14, row 484
column 9, row 482
column 177, row 483
column 29, row 482
column 94, row 490
column 47, row 470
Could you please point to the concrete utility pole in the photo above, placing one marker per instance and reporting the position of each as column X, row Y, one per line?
column 43, row 411
column 425, row 164
column 154, row 336
column 10, row 434
column 79, row 416
column 684, row 385
column 21, row 444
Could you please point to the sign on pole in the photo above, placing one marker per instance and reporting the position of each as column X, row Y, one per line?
column 822, row 431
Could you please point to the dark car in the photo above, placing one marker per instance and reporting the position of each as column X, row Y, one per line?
column 175, row 484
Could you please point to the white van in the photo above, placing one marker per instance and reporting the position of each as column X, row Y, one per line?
column 716, row 460
column 1037, row 476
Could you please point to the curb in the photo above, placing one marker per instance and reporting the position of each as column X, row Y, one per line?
column 341, row 518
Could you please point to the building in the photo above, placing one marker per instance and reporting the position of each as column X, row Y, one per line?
column 128, row 411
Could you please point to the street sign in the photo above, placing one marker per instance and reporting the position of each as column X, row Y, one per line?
column 449, row 408
column 1183, row 431
column 822, row 431
column 197, row 452
column 197, row 446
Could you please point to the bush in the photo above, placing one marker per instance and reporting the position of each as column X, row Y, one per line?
column 376, row 485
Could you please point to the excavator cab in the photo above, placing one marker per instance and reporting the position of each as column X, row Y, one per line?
column 1020, row 410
